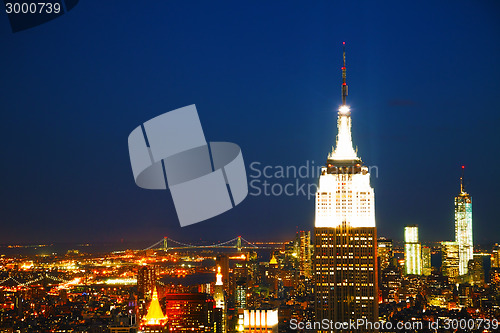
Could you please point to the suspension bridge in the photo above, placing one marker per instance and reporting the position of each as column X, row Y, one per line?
column 11, row 281
column 238, row 243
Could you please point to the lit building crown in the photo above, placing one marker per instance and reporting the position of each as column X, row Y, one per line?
column 344, row 149
column 155, row 314
column 344, row 193
column 218, row 282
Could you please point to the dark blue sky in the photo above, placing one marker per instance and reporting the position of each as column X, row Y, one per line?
column 423, row 86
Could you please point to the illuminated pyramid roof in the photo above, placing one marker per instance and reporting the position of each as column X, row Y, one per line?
column 155, row 314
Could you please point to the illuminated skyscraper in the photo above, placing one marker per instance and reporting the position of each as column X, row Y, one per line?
column 450, row 261
column 384, row 252
column 476, row 270
column 345, row 242
column 390, row 284
column 146, row 280
column 223, row 261
column 413, row 251
column 495, row 256
column 463, row 227
column 241, row 294
column 304, row 248
column 219, row 298
column 426, row 261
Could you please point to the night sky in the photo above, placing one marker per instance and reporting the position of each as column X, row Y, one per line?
column 423, row 87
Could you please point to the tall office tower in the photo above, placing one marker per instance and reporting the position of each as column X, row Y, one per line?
column 463, row 227
column 476, row 270
column 223, row 261
column 390, row 284
column 384, row 252
column 450, row 261
column 411, row 286
column 239, row 269
column 495, row 256
column 304, row 247
column 241, row 294
column 219, row 298
column 413, row 251
column 146, row 280
column 426, row 261
column 495, row 279
column 345, row 236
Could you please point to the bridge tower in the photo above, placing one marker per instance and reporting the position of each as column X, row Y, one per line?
column 238, row 243
column 165, row 247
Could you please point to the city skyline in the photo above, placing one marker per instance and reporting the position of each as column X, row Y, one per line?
column 271, row 87
column 366, row 132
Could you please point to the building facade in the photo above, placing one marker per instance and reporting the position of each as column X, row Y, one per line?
column 345, row 240
column 476, row 270
column 191, row 312
column 390, row 284
column 495, row 256
column 450, row 260
column 413, row 251
column 384, row 252
column 426, row 261
column 304, row 249
column 146, row 280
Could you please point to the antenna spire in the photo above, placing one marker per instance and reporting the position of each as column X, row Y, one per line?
column 344, row 84
column 462, row 187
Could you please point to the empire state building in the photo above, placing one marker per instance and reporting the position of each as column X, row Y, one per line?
column 345, row 241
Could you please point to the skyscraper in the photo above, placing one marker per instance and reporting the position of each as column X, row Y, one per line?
column 223, row 261
column 463, row 227
column 426, row 261
column 450, row 260
column 304, row 245
column 146, row 280
column 413, row 251
column 495, row 256
column 476, row 270
column 384, row 252
column 390, row 284
column 219, row 298
column 345, row 242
